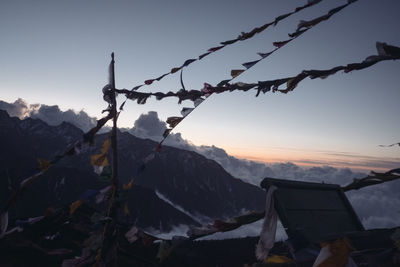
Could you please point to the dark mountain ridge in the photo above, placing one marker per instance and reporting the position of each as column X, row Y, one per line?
column 198, row 185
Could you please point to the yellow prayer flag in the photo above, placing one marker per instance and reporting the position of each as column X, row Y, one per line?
column 101, row 159
column 278, row 259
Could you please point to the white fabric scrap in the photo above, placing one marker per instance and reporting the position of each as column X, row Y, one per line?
column 324, row 253
column 268, row 231
column 132, row 234
column 198, row 101
column 102, row 194
column 98, row 169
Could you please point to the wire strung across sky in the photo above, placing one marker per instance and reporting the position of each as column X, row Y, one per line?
column 197, row 97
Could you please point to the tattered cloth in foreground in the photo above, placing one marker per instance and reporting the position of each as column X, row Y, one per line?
column 267, row 235
column 336, row 253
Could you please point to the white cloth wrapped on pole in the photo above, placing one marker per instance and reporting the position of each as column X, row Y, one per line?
column 268, row 232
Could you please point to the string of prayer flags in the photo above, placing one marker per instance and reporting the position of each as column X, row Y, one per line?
column 291, row 82
column 214, row 49
column 89, row 136
column 273, row 85
column 45, row 165
column 204, row 55
column 206, row 90
column 196, row 98
column 29, row 221
column 372, row 179
column 195, row 232
column 173, row 70
column 29, row 180
column 391, row 53
column 280, row 44
column 98, row 195
column 188, row 62
column 395, row 144
column 243, row 36
column 140, row 98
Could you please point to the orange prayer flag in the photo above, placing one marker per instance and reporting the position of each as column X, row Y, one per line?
column 43, row 164
column 128, row 185
column 99, row 160
column 74, row 206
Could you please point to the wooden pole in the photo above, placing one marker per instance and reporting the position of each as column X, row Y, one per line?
column 109, row 237
column 114, row 129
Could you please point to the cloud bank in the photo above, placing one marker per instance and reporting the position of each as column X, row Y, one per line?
column 377, row 206
column 52, row 115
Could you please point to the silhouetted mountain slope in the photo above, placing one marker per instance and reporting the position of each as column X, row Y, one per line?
column 198, row 185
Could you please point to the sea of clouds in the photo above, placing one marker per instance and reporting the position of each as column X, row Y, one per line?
column 377, row 206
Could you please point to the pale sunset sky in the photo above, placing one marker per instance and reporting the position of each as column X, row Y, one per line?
column 57, row 53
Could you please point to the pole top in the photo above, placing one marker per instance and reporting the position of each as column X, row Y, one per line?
column 112, row 56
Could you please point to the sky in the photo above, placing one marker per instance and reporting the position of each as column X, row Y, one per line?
column 57, row 53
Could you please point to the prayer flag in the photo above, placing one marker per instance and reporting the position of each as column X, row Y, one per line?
column 173, row 121
column 235, row 73
column 74, row 206
column 128, row 185
column 282, row 43
column 248, row 65
column 43, row 164
column 101, row 159
column 186, row 111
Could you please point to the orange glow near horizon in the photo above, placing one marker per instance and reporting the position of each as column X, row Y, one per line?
column 314, row 158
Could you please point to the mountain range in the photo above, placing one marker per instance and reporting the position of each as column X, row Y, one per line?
column 176, row 187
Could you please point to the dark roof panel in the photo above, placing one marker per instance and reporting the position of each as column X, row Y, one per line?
column 313, row 210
